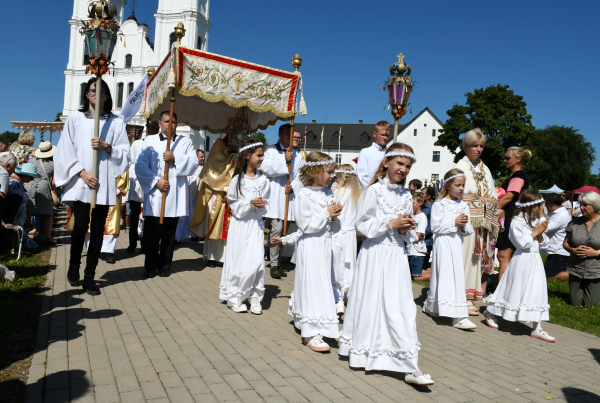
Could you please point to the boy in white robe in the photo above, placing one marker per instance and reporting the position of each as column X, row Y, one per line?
column 369, row 158
column 149, row 170
column 73, row 162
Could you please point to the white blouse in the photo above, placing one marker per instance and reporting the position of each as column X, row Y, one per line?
column 252, row 187
column 311, row 211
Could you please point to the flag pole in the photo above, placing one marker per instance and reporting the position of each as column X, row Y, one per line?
column 322, row 131
column 305, row 138
column 340, row 143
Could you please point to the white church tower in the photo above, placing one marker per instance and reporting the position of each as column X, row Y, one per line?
column 135, row 53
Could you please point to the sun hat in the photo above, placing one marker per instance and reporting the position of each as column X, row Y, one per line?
column 28, row 169
column 45, row 150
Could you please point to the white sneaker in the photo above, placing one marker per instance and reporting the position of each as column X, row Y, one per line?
column 256, row 309
column 463, row 324
column 428, row 312
column 424, row 379
column 542, row 335
column 316, row 343
column 339, row 307
column 490, row 320
column 239, row 308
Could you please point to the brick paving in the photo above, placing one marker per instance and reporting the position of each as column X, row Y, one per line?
column 172, row 340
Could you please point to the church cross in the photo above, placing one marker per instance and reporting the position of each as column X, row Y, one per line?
column 133, row 7
column 400, row 58
column 238, row 80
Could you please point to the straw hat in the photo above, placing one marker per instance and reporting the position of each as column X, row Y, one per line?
column 29, row 170
column 45, row 150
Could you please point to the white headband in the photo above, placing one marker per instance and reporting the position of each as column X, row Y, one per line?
column 250, row 146
column 402, row 154
column 453, row 177
column 341, row 171
column 312, row 164
column 531, row 203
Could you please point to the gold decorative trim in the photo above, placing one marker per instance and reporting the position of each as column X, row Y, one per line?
column 221, row 131
column 156, row 105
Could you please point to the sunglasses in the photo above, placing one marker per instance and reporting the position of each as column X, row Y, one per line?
column 102, row 93
column 507, row 158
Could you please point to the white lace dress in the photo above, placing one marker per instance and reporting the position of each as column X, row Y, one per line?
column 380, row 328
column 244, row 268
column 344, row 256
column 446, row 295
column 522, row 294
column 312, row 304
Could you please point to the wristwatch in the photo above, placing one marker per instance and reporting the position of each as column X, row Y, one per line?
column 109, row 148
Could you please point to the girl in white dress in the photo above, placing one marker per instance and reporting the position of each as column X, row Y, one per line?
column 380, row 329
column 346, row 193
column 243, row 274
column 522, row 294
column 312, row 304
column 450, row 223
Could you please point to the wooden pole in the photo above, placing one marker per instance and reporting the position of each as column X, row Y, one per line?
column 97, row 111
column 287, row 195
column 166, row 175
column 396, row 131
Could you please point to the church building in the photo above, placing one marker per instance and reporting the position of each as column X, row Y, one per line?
column 420, row 133
column 135, row 52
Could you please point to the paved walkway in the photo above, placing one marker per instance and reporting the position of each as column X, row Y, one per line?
column 171, row 339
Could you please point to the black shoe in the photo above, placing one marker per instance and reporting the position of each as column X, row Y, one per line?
column 73, row 276
column 131, row 249
column 164, row 273
column 194, row 239
column 90, row 287
column 212, row 263
column 150, row 275
column 110, row 258
column 142, row 250
column 102, row 256
column 275, row 272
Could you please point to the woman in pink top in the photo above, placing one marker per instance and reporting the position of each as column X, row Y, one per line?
column 517, row 182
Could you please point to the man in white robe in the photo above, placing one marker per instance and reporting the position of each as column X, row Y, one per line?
column 275, row 167
column 73, row 162
column 149, row 170
column 135, row 196
column 369, row 158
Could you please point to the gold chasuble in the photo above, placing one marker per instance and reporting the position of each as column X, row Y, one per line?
column 212, row 214
column 112, row 226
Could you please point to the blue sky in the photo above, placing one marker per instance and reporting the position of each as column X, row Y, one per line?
column 547, row 51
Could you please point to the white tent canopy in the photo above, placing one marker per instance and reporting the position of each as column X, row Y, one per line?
column 553, row 189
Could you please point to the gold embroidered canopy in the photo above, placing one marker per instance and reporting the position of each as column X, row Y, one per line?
column 214, row 90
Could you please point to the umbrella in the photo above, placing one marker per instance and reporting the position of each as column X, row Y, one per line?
column 586, row 189
column 553, row 189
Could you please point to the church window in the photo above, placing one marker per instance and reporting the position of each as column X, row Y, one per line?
column 128, row 61
column 120, row 95
column 338, row 158
column 172, row 39
column 207, row 144
column 436, row 156
column 415, row 132
column 433, row 132
column 129, row 88
column 82, row 93
column 435, row 177
column 199, row 43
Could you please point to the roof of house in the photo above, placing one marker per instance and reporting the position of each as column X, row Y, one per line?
column 417, row 117
column 352, row 134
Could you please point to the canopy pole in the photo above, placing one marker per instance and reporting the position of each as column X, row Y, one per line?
column 166, row 175
column 96, row 135
column 287, row 195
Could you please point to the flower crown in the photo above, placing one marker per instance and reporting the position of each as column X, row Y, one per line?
column 402, row 154
column 453, row 177
column 341, row 171
column 250, row 146
column 531, row 203
column 315, row 163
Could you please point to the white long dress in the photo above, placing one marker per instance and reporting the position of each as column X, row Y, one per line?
column 312, row 304
column 344, row 257
column 243, row 274
column 522, row 294
column 446, row 295
column 380, row 328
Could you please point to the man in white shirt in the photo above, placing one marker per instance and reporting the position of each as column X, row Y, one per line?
column 135, row 196
column 369, row 158
column 73, row 169
column 557, row 223
column 275, row 167
column 149, row 170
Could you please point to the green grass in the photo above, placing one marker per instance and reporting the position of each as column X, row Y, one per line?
column 586, row 319
column 20, row 307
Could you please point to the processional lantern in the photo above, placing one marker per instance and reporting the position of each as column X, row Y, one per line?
column 399, row 87
column 100, row 33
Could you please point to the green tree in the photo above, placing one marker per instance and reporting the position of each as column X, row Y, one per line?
column 9, row 137
column 58, row 115
column 561, row 156
column 499, row 113
column 593, row 180
column 260, row 136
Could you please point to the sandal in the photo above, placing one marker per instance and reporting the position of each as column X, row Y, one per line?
column 473, row 311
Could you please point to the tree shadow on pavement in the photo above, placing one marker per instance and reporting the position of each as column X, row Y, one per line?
column 577, row 395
